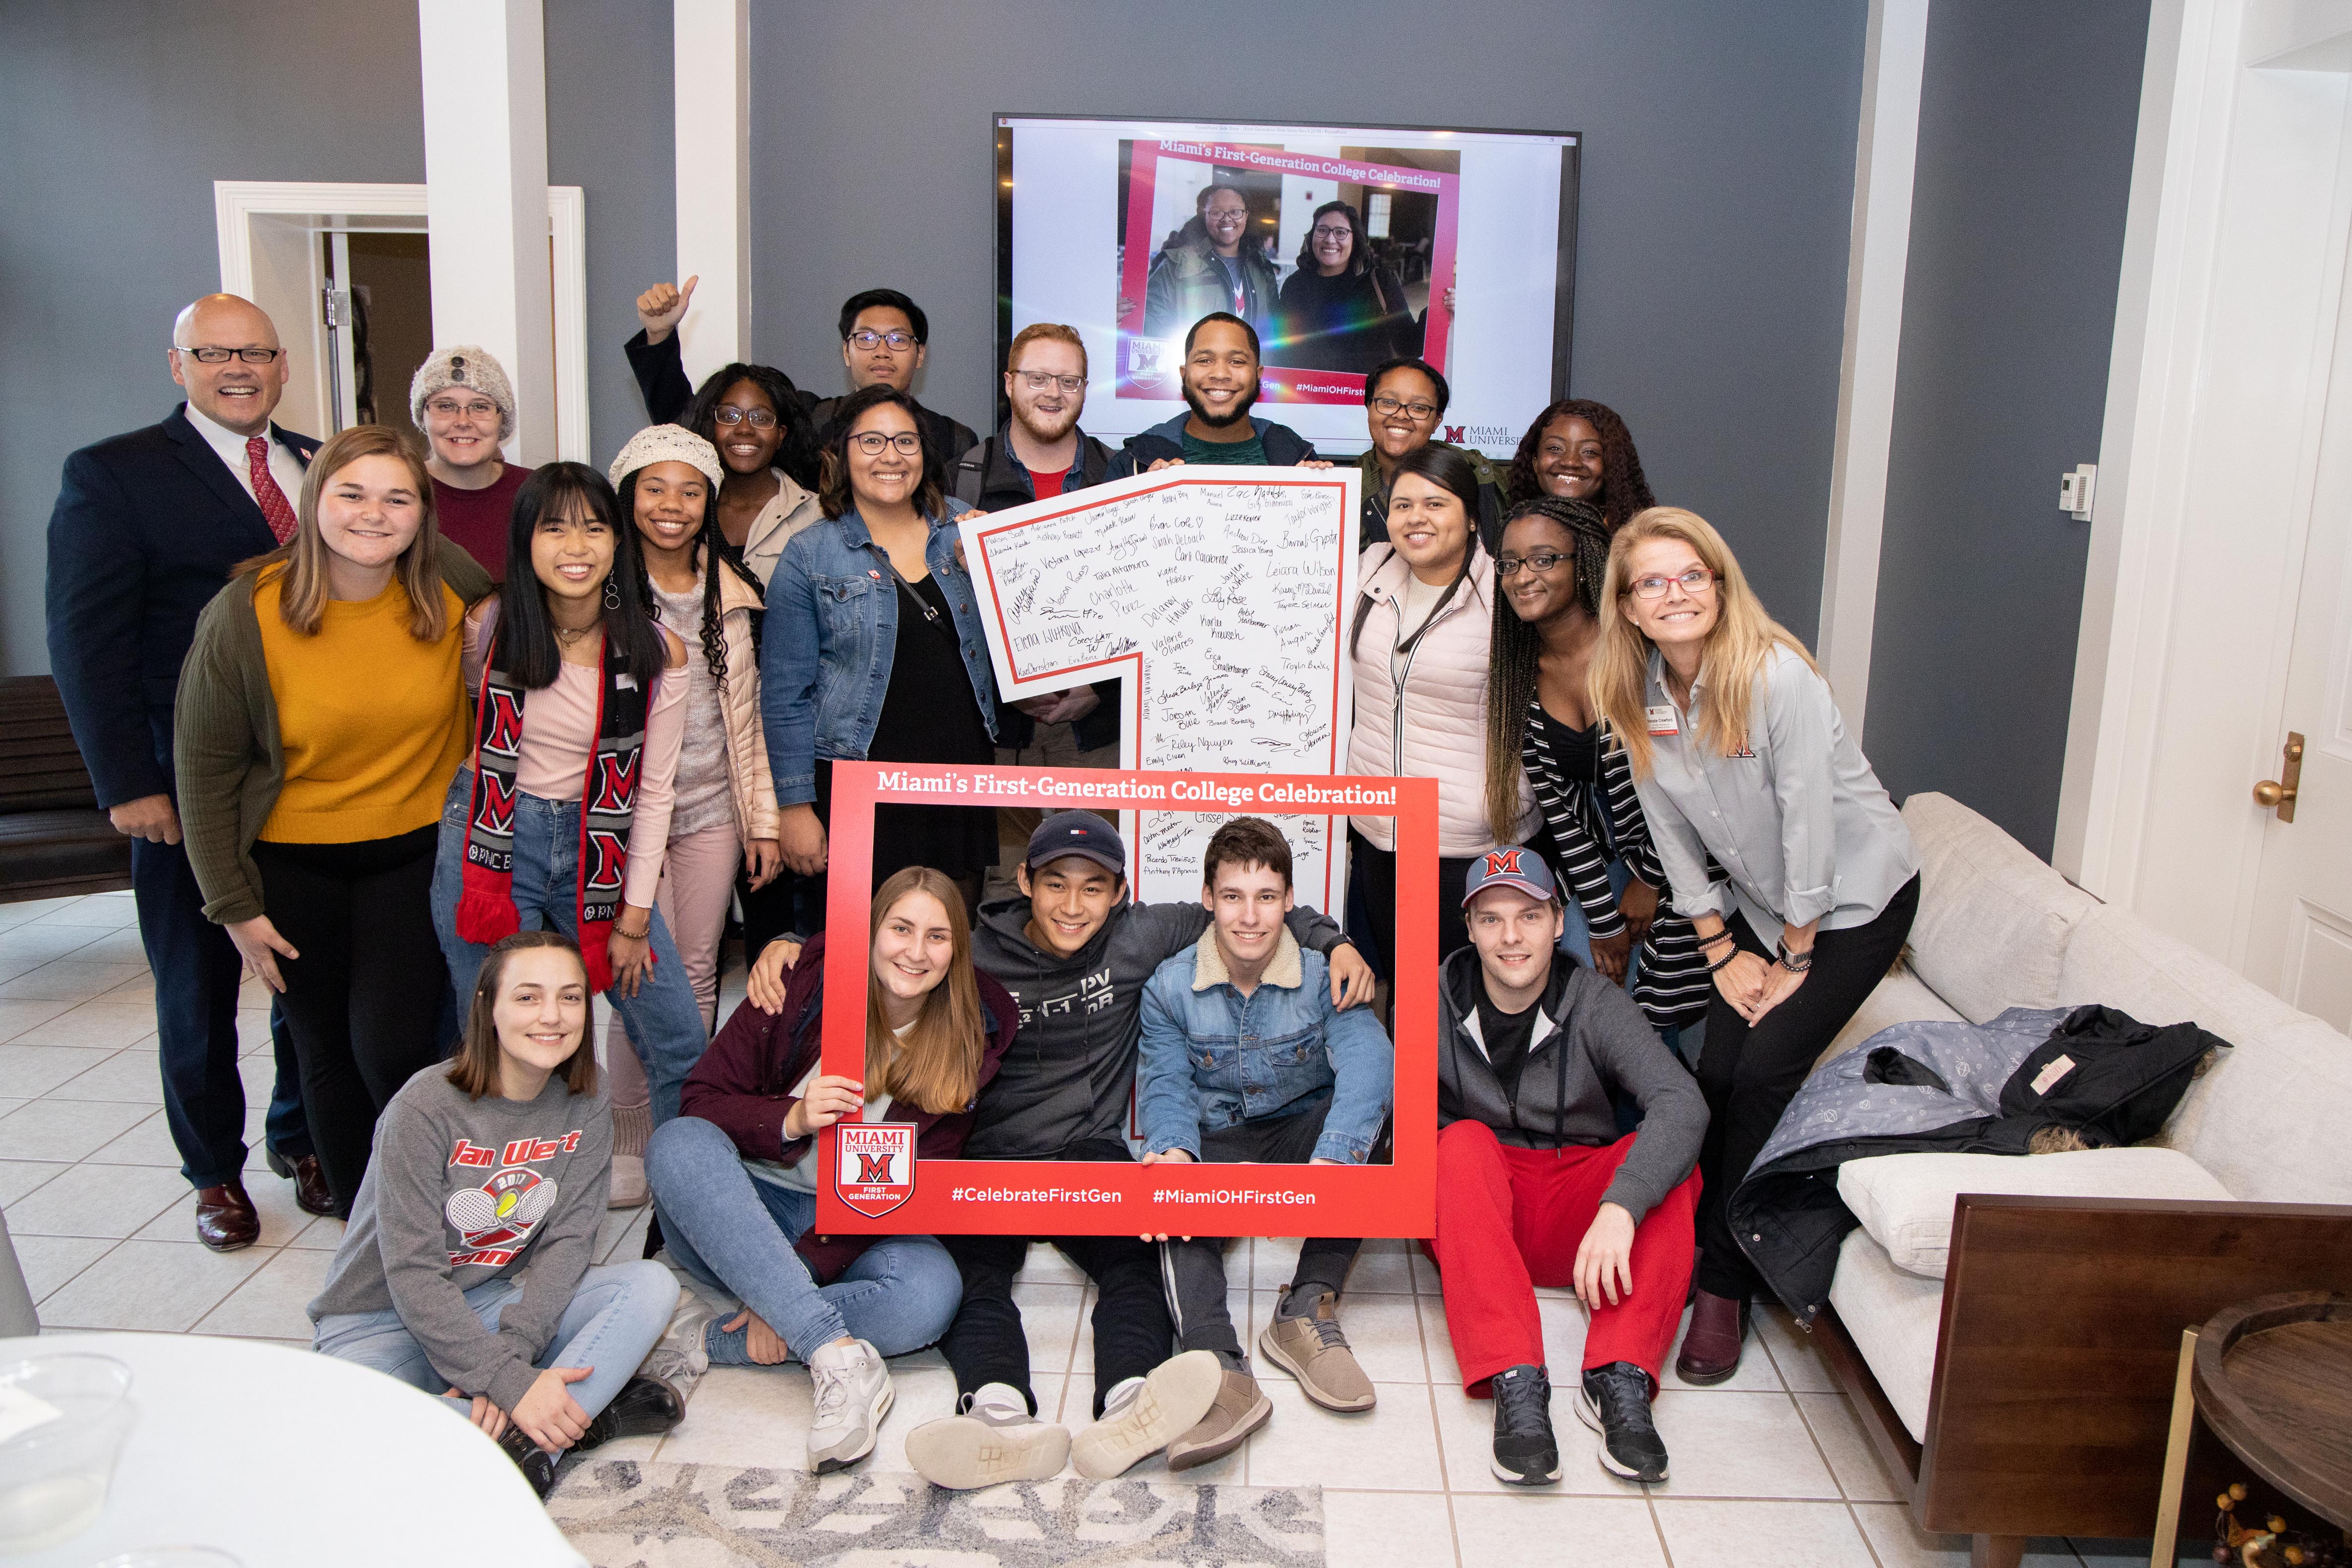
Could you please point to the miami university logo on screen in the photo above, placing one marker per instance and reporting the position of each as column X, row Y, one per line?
column 874, row 1165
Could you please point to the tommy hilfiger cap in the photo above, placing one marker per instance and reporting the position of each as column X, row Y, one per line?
column 1080, row 833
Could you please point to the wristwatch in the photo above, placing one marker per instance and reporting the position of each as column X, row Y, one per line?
column 1794, row 963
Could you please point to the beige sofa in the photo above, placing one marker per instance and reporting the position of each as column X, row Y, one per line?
column 2019, row 1371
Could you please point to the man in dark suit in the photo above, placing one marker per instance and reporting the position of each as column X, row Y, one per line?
column 146, row 528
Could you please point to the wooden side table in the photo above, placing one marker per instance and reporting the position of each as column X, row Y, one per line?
column 2271, row 1380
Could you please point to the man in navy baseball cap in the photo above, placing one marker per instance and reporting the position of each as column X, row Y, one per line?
column 1079, row 833
column 1536, row 1186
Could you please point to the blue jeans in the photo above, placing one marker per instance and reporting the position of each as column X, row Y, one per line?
column 663, row 1018
column 735, row 1232
column 617, row 1316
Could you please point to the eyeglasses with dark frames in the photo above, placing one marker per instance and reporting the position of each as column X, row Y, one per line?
column 1543, row 561
column 211, row 355
column 871, row 442
column 869, row 340
column 757, row 418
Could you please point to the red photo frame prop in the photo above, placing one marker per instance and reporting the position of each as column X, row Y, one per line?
column 902, row 1194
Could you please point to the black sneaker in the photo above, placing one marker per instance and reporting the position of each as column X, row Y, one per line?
column 1615, row 1402
column 1526, row 1455
column 644, row 1408
column 537, row 1465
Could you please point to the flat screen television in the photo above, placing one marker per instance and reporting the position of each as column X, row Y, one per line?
column 1342, row 246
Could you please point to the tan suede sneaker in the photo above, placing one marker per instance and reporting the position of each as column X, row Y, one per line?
column 1242, row 1407
column 1313, row 1350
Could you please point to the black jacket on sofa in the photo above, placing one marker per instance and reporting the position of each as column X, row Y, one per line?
column 1932, row 1087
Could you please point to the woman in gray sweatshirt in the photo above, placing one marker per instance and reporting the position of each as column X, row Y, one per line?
column 465, row 1269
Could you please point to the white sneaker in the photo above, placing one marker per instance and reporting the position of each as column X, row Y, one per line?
column 853, row 1394
column 683, row 1355
column 1170, row 1403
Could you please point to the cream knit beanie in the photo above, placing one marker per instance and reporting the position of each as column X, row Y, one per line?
column 666, row 444
column 469, row 366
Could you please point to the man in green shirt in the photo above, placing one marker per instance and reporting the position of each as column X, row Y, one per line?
column 1221, row 385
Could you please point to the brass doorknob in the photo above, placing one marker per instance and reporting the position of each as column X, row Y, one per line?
column 2271, row 793
column 2278, row 795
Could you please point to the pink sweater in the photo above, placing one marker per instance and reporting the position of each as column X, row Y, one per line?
column 559, row 730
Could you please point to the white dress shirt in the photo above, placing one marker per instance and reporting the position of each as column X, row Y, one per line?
column 284, row 466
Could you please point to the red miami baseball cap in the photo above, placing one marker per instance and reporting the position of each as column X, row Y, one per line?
column 1513, row 866
column 1079, row 833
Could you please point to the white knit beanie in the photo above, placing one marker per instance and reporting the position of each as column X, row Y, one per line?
column 470, row 367
column 666, row 444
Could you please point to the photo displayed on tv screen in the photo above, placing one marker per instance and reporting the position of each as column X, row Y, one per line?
column 1342, row 247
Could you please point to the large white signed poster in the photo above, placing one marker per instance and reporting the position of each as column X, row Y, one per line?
column 1221, row 597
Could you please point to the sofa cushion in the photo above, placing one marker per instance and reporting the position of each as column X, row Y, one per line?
column 1893, row 1319
column 2268, row 1121
column 1993, row 921
column 1899, row 998
column 1905, row 1201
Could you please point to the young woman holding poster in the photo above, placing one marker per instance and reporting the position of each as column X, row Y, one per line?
column 469, row 1273
column 307, row 798
column 723, row 810
column 735, row 1175
column 1341, row 311
column 559, row 817
column 1420, row 638
column 1580, row 450
column 874, row 649
column 1738, row 751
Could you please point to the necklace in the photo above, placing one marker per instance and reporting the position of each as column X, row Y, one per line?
column 571, row 637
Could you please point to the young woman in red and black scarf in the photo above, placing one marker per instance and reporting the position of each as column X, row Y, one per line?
column 561, row 816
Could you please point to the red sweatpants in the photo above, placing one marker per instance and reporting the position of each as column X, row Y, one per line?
column 1511, row 1219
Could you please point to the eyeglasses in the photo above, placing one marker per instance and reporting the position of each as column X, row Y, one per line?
column 869, row 340
column 1332, row 231
column 1420, row 411
column 1509, row 565
column 1038, row 381
column 757, row 418
column 222, row 356
column 1698, row 580
column 871, row 442
column 448, row 409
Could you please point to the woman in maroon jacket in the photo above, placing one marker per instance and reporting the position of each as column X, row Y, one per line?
column 736, row 1185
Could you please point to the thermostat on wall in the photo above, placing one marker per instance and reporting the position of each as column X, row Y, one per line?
column 2074, row 491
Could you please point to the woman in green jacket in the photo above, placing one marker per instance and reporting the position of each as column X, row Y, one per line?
column 321, row 716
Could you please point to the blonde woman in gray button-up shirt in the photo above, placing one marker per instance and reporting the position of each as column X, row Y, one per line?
column 1739, row 751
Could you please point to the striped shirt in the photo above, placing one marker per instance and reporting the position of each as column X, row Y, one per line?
column 1593, row 821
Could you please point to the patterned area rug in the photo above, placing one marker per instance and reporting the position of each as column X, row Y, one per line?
column 623, row 1514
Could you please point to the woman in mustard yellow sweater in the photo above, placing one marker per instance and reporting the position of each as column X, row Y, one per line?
column 319, row 719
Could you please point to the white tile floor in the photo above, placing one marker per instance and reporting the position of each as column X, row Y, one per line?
column 1768, row 1469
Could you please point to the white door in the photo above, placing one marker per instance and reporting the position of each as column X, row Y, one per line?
column 2300, row 936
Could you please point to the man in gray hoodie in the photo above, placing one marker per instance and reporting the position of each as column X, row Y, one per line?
column 1536, row 1187
column 1075, row 950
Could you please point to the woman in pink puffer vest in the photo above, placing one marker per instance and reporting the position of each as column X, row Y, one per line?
column 1421, row 637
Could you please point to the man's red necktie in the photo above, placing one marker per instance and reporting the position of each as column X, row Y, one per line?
column 275, row 509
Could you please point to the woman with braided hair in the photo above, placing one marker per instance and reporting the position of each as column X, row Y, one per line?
column 1580, row 450
column 669, row 479
column 1540, row 716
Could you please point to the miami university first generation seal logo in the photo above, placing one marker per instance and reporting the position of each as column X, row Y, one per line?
column 874, row 1165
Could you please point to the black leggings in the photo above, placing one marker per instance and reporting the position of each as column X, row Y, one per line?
column 1372, row 895
column 363, row 999
column 1750, row 1074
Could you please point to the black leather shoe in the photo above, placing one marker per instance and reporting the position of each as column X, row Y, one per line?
column 646, row 1407
column 224, row 1217
column 537, row 1465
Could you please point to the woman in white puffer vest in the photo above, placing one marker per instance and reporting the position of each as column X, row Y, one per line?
column 1422, row 637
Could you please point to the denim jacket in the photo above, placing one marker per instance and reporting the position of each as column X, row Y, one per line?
column 1214, row 1059
column 831, row 634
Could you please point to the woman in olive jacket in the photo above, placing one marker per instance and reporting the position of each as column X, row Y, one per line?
column 321, row 716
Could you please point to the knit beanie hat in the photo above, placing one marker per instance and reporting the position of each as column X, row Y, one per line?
column 468, row 366
column 666, row 444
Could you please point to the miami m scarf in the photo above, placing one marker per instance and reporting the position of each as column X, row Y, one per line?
column 608, row 799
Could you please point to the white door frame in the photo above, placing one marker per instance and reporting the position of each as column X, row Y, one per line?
column 236, row 203
column 2234, row 268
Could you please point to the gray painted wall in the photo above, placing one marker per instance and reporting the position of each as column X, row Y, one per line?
column 1718, row 187
column 2027, row 120
column 609, row 130
column 117, row 119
